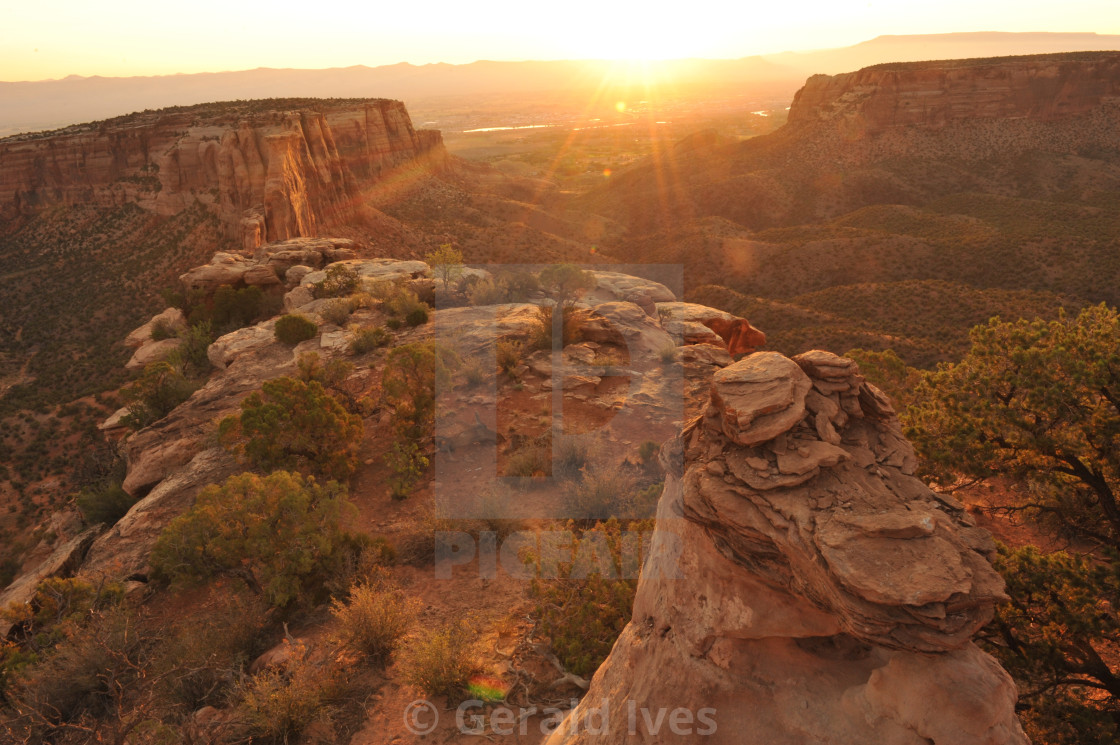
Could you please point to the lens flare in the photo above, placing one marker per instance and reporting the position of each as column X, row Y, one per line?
column 488, row 688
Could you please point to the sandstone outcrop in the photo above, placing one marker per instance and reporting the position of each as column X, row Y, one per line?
column 699, row 324
column 62, row 561
column 738, row 334
column 617, row 286
column 248, row 358
column 267, row 264
column 897, row 134
column 268, row 173
column 122, row 552
column 1062, row 104
column 171, row 319
column 803, row 586
column 172, row 458
column 152, row 351
column 1043, row 88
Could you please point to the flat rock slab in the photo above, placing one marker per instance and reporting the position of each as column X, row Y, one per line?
column 760, row 397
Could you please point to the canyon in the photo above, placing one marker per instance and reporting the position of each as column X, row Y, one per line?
column 894, row 134
column 826, row 592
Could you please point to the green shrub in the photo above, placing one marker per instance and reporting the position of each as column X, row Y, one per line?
column 474, row 373
column 529, row 461
column 607, row 362
column 281, row 534
column 235, row 308
column 582, row 612
column 417, row 316
column 567, row 281
column 407, row 462
column 494, row 508
column 647, row 452
column 158, row 390
column 362, row 300
column 330, row 376
column 363, row 559
column 336, row 312
column 295, row 425
column 368, row 338
column 228, row 308
column 291, row 329
column 443, row 660
column 519, row 285
column 508, row 354
column 572, row 455
column 59, row 605
column 161, row 330
column 446, row 263
column 604, row 492
column 105, row 504
column 340, row 280
column 571, row 326
column 486, row 292
column 401, row 302
column 408, row 388
column 192, row 351
column 374, row 619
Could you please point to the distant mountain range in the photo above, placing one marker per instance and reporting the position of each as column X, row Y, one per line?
column 49, row 104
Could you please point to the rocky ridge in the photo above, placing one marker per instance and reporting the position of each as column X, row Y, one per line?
column 1065, row 104
column 171, row 460
column 267, row 173
column 1044, row 88
column 813, row 566
column 805, row 586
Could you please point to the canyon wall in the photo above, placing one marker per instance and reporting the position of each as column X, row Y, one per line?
column 1043, row 88
column 270, row 170
column 968, row 110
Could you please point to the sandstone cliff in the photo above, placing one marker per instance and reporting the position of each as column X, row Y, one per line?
column 1029, row 127
column 1044, row 88
column 962, row 110
column 270, row 170
column 806, row 586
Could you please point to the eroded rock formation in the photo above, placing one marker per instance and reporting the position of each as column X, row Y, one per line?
column 1064, row 104
column 804, row 587
column 1043, row 88
column 738, row 334
column 268, row 173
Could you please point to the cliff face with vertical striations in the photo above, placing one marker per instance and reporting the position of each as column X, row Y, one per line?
column 270, row 170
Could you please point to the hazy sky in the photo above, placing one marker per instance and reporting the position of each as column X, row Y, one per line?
column 55, row 38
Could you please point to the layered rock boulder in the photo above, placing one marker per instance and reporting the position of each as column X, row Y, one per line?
column 803, row 586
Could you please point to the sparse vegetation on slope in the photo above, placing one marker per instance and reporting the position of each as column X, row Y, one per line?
column 281, row 534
